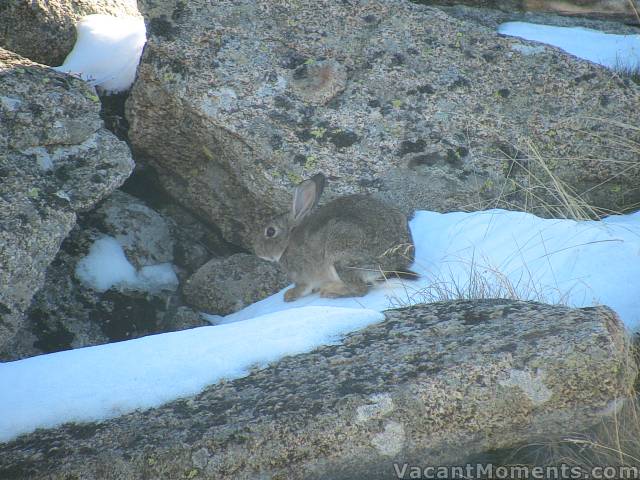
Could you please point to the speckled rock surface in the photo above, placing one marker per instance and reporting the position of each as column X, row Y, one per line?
column 434, row 112
column 143, row 233
column 44, row 30
column 65, row 313
column 433, row 383
column 194, row 242
column 55, row 159
column 226, row 285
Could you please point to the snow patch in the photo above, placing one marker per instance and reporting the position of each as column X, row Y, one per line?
column 106, row 266
column 96, row 383
column 617, row 52
column 107, row 51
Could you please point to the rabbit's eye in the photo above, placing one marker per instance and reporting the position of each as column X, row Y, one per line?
column 270, row 232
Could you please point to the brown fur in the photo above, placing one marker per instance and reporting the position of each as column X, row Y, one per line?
column 339, row 248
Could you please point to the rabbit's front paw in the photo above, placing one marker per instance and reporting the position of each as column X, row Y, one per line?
column 296, row 292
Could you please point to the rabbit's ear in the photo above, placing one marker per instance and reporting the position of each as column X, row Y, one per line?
column 306, row 196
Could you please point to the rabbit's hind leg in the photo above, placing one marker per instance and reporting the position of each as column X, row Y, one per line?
column 334, row 290
column 351, row 284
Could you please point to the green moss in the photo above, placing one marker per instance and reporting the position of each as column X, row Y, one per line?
column 459, row 40
column 169, row 77
column 193, row 473
column 93, row 97
column 318, row 132
column 207, row 153
column 311, row 162
column 396, row 103
column 293, row 177
column 487, row 185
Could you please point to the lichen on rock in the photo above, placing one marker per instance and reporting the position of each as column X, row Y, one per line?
column 403, row 101
column 55, row 159
column 403, row 390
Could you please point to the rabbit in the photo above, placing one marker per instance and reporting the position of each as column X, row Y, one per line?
column 339, row 248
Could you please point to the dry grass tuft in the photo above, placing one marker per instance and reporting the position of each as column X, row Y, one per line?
column 536, row 183
column 483, row 281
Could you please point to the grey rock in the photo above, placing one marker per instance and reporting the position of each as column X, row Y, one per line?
column 431, row 384
column 44, row 30
column 435, row 112
column 143, row 233
column 161, row 13
column 55, row 160
column 66, row 314
column 195, row 242
column 184, row 318
column 226, row 285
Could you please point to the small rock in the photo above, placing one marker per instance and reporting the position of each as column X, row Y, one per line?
column 184, row 318
column 195, row 242
column 224, row 286
column 143, row 233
